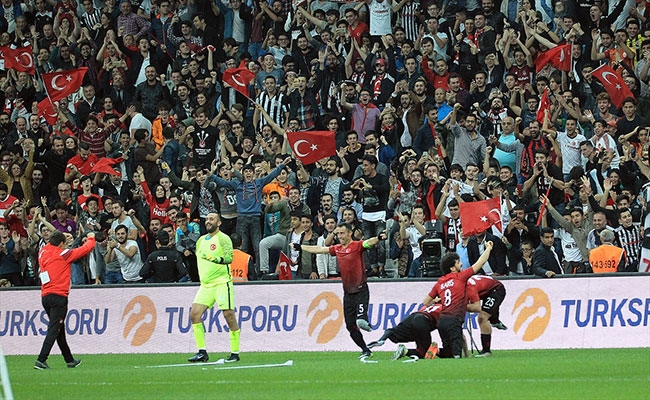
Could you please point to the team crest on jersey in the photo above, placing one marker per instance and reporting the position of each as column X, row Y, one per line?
column 213, row 246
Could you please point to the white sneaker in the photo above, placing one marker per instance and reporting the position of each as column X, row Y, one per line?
column 400, row 352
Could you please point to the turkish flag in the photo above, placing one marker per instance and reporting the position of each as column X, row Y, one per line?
column 311, row 146
column 46, row 110
column 62, row 83
column 479, row 216
column 105, row 166
column 20, row 59
column 558, row 56
column 284, row 268
column 544, row 104
column 614, row 84
column 239, row 78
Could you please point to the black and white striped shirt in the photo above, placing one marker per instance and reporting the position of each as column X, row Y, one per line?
column 275, row 106
column 408, row 19
column 630, row 240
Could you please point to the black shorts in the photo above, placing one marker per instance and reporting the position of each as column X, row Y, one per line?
column 416, row 328
column 355, row 306
column 492, row 302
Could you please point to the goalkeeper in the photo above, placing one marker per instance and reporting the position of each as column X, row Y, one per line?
column 214, row 254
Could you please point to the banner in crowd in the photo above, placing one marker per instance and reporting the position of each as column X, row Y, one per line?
column 589, row 312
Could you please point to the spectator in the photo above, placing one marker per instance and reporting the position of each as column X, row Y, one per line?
column 546, row 262
column 127, row 254
column 607, row 257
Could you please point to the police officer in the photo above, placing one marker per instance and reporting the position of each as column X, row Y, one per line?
column 164, row 265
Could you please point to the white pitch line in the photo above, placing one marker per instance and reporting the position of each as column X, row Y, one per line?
column 289, row 363
column 218, row 362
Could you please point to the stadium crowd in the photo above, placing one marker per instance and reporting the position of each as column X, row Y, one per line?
column 433, row 104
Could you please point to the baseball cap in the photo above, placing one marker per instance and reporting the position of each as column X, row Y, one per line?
column 380, row 61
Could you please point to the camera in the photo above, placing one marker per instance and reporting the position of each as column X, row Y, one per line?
column 432, row 252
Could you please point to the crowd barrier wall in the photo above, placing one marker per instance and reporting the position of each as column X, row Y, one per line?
column 582, row 312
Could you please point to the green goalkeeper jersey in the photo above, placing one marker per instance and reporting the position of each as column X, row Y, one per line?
column 213, row 255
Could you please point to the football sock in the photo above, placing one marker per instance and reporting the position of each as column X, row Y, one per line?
column 199, row 335
column 486, row 341
column 357, row 337
column 234, row 341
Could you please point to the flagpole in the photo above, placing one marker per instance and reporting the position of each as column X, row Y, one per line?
column 543, row 207
column 44, row 87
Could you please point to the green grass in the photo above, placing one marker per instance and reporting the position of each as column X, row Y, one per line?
column 532, row 374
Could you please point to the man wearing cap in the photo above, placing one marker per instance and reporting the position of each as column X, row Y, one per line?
column 382, row 83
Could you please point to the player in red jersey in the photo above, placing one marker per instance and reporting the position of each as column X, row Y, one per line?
column 55, row 261
column 349, row 256
column 417, row 327
column 450, row 289
column 491, row 292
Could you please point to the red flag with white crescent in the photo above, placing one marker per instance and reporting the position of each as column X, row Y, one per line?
column 46, row 110
column 544, row 105
column 239, row 78
column 559, row 56
column 20, row 59
column 479, row 216
column 284, row 268
column 311, row 146
column 614, row 84
column 62, row 83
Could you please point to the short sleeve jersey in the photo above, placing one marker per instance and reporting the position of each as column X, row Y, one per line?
column 209, row 250
column 432, row 312
column 350, row 261
column 480, row 285
column 451, row 290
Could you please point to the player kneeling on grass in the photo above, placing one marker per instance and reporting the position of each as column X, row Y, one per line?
column 214, row 253
column 490, row 292
column 349, row 257
column 417, row 327
column 450, row 291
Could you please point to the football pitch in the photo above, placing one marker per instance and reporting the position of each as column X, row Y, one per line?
column 521, row 374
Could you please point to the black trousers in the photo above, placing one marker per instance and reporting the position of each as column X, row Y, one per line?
column 451, row 333
column 56, row 308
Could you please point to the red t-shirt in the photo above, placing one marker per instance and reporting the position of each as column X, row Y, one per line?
column 84, row 167
column 17, row 225
column 5, row 204
column 356, row 32
column 524, row 74
column 56, row 262
column 350, row 261
column 480, row 285
column 451, row 289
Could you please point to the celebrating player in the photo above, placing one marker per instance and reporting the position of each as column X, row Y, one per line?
column 349, row 256
column 490, row 292
column 417, row 327
column 214, row 253
column 451, row 291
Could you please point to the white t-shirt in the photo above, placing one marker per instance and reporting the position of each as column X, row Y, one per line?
column 380, row 17
column 571, row 156
column 130, row 266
